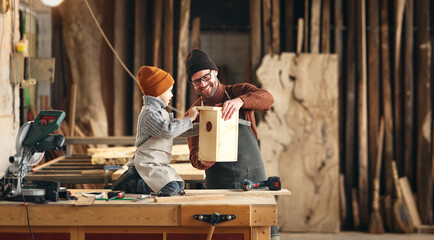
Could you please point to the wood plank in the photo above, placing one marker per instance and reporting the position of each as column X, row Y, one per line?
column 238, row 192
column 387, row 101
column 255, row 38
column 306, row 25
column 312, row 171
column 325, row 26
column 184, row 170
column 289, row 25
column 300, row 25
column 374, row 105
column 339, row 50
column 140, row 13
column 157, row 32
column 120, row 78
column 266, row 27
column 168, row 36
column 181, row 83
column 315, row 26
column 111, row 140
column 363, row 120
column 410, row 203
column 424, row 181
column 275, row 26
column 190, row 198
column 350, row 122
column 408, row 92
column 397, row 87
column 195, row 43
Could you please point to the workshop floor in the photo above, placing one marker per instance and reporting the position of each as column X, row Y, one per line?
column 354, row 236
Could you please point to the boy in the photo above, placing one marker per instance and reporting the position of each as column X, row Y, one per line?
column 149, row 170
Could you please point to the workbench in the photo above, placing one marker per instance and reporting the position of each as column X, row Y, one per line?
column 144, row 219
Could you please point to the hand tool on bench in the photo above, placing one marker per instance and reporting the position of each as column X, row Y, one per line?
column 273, row 183
column 114, row 195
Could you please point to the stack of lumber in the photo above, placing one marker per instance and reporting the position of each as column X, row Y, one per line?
column 121, row 155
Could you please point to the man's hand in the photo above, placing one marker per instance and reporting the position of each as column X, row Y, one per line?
column 230, row 107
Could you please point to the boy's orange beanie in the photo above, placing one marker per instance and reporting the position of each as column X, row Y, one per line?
column 154, row 81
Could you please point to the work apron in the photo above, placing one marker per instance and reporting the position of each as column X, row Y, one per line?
column 152, row 160
column 249, row 165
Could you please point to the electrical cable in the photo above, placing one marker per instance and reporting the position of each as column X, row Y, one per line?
column 115, row 53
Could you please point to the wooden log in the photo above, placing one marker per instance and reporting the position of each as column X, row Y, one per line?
column 408, row 92
column 424, row 181
column 139, row 56
column 350, row 124
column 181, row 83
column 168, row 36
column 363, row 120
column 275, row 26
column 255, row 38
column 387, row 100
column 266, row 27
column 325, row 26
column 373, row 84
column 315, row 26
column 289, row 25
column 157, row 30
column 399, row 14
column 312, row 106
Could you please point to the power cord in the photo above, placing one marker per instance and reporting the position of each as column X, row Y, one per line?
column 27, row 212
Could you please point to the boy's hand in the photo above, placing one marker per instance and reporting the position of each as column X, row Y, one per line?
column 193, row 113
column 230, row 107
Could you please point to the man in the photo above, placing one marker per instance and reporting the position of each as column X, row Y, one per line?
column 246, row 98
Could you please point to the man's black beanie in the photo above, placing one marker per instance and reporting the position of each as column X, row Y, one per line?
column 196, row 61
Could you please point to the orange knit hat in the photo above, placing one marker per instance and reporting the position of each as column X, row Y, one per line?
column 154, row 81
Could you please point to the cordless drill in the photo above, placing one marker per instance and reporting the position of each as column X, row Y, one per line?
column 273, row 183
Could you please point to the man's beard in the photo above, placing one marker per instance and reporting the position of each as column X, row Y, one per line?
column 213, row 92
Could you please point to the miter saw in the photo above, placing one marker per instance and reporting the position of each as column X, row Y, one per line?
column 32, row 141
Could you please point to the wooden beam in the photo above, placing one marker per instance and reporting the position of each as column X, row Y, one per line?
column 168, row 36
column 120, row 77
column 157, row 30
column 195, row 43
column 387, row 101
column 399, row 14
column 424, row 181
column 266, row 27
column 275, row 26
column 255, row 38
column 363, row 119
column 325, row 26
column 315, row 26
column 350, row 113
column 181, row 83
column 339, row 50
column 373, row 84
column 289, row 25
column 140, row 9
column 408, row 92
column 306, row 25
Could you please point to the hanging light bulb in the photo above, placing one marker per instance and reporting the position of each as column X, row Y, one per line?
column 52, row 3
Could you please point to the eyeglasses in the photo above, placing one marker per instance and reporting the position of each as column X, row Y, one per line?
column 204, row 78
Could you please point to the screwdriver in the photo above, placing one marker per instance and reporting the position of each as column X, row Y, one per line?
column 114, row 195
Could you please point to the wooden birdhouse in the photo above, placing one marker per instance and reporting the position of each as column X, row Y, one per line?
column 218, row 139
